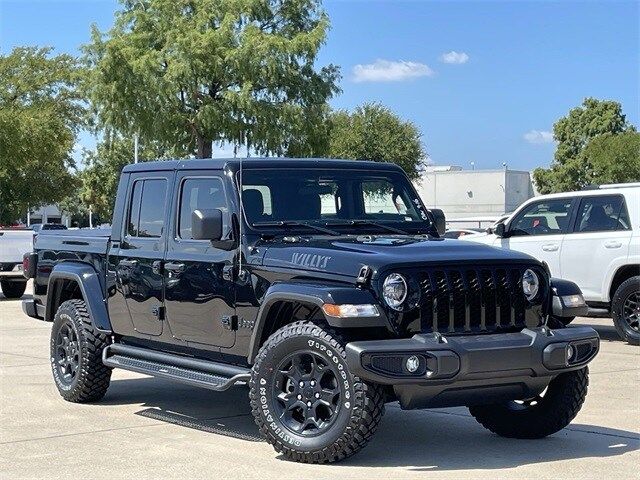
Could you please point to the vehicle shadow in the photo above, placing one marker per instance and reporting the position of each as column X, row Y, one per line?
column 26, row 296
column 445, row 439
column 607, row 333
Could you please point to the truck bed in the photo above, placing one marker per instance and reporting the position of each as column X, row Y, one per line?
column 90, row 241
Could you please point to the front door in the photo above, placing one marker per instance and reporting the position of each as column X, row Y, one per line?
column 139, row 256
column 539, row 230
column 199, row 288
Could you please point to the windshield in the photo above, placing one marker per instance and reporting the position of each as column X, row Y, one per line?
column 373, row 200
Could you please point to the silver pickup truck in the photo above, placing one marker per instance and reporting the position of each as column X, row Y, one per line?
column 14, row 243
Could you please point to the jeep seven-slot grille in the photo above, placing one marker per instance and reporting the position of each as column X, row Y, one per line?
column 472, row 299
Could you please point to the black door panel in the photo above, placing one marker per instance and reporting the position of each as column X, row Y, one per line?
column 137, row 260
column 199, row 299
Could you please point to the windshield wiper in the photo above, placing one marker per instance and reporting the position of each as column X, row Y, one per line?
column 295, row 223
column 373, row 224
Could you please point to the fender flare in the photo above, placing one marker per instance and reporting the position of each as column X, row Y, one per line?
column 317, row 295
column 89, row 283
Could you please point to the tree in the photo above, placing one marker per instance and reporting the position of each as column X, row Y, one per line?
column 40, row 112
column 373, row 132
column 569, row 170
column 101, row 174
column 187, row 73
column 614, row 158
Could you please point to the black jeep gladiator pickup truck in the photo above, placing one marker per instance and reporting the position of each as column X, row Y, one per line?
column 324, row 285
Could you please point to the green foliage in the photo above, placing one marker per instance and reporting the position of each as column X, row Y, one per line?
column 102, row 172
column 374, row 132
column 184, row 73
column 570, row 169
column 614, row 158
column 40, row 111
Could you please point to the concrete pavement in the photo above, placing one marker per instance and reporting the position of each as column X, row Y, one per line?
column 150, row 428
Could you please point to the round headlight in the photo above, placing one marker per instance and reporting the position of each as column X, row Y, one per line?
column 530, row 284
column 394, row 290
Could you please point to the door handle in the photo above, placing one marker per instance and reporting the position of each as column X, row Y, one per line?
column 550, row 247
column 127, row 263
column 176, row 268
column 612, row 244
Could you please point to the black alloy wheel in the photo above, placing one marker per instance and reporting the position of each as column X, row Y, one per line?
column 631, row 311
column 308, row 393
column 67, row 352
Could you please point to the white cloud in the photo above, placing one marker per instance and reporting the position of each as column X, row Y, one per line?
column 538, row 137
column 456, row 58
column 390, row 71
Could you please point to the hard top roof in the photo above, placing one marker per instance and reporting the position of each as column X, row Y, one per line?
column 256, row 162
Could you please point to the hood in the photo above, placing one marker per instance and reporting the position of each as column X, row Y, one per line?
column 348, row 254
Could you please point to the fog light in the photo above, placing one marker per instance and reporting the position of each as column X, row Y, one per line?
column 412, row 364
column 570, row 353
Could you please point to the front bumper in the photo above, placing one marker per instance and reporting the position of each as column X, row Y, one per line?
column 472, row 370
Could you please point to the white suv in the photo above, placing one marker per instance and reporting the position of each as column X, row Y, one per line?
column 591, row 237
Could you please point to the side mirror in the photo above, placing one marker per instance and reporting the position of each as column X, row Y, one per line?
column 439, row 218
column 499, row 229
column 206, row 224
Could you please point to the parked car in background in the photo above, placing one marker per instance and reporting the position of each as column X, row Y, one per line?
column 14, row 243
column 461, row 232
column 42, row 227
column 592, row 238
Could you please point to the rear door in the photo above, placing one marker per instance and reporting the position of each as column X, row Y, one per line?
column 199, row 286
column 539, row 230
column 138, row 258
column 597, row 244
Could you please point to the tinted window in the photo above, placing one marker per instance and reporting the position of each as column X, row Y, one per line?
column 542, row 218
column 602, row 213
column 199, row 194
column 152, row 208
column 380, row 198
column 134, row 209
column 314, row 195
column 146, row 213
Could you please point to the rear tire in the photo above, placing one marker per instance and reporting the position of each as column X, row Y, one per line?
column 76, row 354
column 539, row 417
column 305, row 401
column 625, row 310
column 12, row 289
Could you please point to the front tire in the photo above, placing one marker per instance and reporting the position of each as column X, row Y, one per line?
column 625, row 309
column 76, row 354
column 305, row 401
column 541, row 416
column 13, row 290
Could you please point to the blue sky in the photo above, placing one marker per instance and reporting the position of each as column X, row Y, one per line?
column 484, row 81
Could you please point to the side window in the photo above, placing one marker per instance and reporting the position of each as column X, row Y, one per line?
column 602, row 214
column 134, row 209
column 146, row 212
column 547, row 217
column 199, row 194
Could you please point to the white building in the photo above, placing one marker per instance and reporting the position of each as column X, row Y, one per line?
column 473, row 198
column 48, row 214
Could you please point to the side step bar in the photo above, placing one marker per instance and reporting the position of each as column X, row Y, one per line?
column 200, row 373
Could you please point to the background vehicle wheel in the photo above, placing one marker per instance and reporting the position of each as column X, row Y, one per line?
column 537, row 417
column 76, row 354
column 13, row 289
column 625, row 310
column 304, row 399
